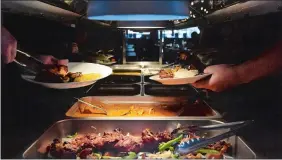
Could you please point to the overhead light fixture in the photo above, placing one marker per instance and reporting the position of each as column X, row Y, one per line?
column 142, row 24
column 194, row 16
column 126, row 10
column 207, row 11
column 202, row 8
column 190, row 12
column 202, row 1
column 192, row 3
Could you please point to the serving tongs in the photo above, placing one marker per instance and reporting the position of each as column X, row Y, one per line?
column 233, row 126
column 31, row 57
column 91, row 105
column 26, row 67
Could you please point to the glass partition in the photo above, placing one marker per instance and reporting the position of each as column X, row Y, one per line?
column 150, row 45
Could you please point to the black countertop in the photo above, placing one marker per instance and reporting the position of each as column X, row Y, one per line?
column 28, row 110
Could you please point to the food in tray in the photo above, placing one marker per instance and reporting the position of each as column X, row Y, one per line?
column 117, row 145
column 177, row 72
column 125, row 110
column 60, row 74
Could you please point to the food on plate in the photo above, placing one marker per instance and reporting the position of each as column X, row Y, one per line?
column 117, row 145
column 60, row 74
column 177, row 72
column 104, row 58
column 87, row 77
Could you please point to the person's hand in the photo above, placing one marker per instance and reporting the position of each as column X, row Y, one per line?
column 223, row 77
column 8, row 46
column 50, row 60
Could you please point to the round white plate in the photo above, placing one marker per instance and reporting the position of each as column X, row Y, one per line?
column 85, row 68
column 178, row 80
column 105, row 63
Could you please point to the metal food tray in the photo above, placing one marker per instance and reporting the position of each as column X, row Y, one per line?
column 120, row 79
column 240, row 150
column 114, row 90
column 168, row 90
column 201, row 111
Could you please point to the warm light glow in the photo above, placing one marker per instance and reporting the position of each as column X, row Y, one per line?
column 202, row 8
column 202, row 1
column 194, row 16
column 207, row 11
column 192, row 3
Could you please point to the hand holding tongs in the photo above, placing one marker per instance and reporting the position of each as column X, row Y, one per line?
column 30, row 57
column 185, row 149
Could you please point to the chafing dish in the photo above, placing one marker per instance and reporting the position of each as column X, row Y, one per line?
column 63, row 128
column 164, row 107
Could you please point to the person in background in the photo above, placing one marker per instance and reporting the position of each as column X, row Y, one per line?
column 194, row 41
column 75, row 56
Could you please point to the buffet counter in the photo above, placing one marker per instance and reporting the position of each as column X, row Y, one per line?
column 62, row 105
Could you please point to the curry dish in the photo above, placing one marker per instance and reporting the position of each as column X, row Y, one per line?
column 126, row 110
column 80, row 110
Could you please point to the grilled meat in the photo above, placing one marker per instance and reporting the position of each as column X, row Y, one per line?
column 49, row 77
column 166, row 73
column 129, row 143
column 82, row 145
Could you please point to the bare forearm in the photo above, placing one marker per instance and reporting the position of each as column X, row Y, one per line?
column 270, row 62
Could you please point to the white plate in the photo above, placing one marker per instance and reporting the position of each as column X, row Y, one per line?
column 178, row 81
column 105, row 63
column 85, row 68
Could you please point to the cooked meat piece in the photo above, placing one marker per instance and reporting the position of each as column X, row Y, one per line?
column 219, row 146
column 65, row 79
column 85, row 152
column 148, row 136
column 62, row 150
column 111, row 138
column 98, row 142
column 166, row 73
column 56, row 149
column 163, row 136
column 57, row 69
column 70, row 147
column 48, row 77
column 129, row 144
column 74, row 75
column 150, row 140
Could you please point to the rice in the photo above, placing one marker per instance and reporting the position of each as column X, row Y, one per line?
column 184, row 73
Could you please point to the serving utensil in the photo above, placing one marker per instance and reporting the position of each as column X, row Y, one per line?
column 91, row 105
column 185, row 149
column 24, row 66
column 31, row 57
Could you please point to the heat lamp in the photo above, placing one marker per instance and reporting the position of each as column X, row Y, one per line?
column 132, row 10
